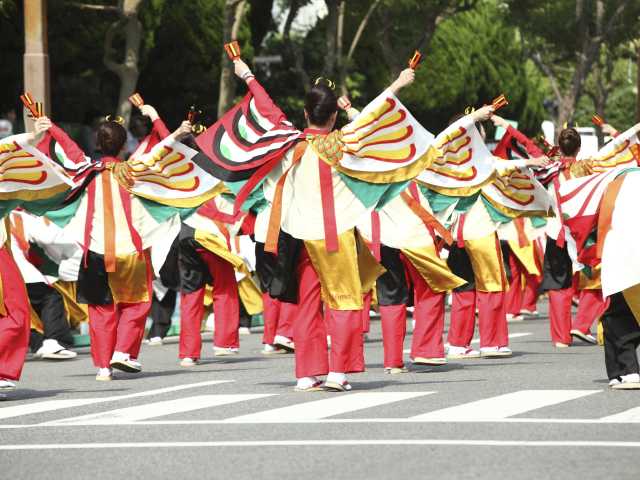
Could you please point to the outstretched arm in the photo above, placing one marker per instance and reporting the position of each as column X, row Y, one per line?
column 264, row 102
column 45, row 130
column 532, row 149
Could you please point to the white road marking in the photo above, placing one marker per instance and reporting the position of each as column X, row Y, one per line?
column 158, row 409
column 628, row 416
column 325, row 443
column 51, row 405
column 326, row 408
column 476, row 341
column 503, row 406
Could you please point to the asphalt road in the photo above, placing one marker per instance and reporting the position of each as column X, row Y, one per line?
column 544, row 413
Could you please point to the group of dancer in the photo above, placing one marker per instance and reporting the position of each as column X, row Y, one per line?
column 312, row 228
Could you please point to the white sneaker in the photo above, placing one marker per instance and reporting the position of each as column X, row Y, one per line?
column 627, row 382
column 104, row 375
column 460, row 353
column 244, row 331
column 495, row 352
column 188, row 362
column 155, row 341
column 224, row 351
column 52, row 350
column 284, row 342
column 6, row 385
column 268, row 349
column 585, row 337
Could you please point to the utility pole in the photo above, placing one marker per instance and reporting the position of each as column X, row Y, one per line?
column 36, row 56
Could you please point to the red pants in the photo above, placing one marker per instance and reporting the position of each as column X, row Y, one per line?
column 429, row 316
column 591, row 307
column 394, row 329
column 560, row 315
column 366, row 316
column 521, row 297
column 278, row 319
column 492, row 320
column 15, row 327
column 309, row 332
column 226, row 309
column 118, row 327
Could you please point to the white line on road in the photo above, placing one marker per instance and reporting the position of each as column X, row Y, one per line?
column 326, row 408
column 504, row 406
column 628, row 416
column 50, row 405
column 324, row 443
column 159, row 409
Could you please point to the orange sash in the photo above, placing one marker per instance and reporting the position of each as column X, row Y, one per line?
column 109, row 223
column 273, row 231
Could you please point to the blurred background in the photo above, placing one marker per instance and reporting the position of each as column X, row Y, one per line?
column 557, row 61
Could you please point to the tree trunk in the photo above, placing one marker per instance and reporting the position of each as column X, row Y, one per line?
column 638, row 85
column 127, row 71
column 339, row 47
column 233, row 15
column 331, row 36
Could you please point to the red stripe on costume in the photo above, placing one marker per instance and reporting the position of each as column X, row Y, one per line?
column 328, row 207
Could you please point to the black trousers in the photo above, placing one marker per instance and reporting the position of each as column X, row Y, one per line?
column 161, row 313
column 49, row 305
column 245, row 318
column 621, row 338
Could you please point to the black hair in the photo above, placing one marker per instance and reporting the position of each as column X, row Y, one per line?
column 569, row 142
column 320, row 103
column 111, row 137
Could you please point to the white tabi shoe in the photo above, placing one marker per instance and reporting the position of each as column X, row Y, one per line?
column 155, row 341
column 244, row 331
column 188, row 362
column 225, row 351
column 52, row 350
column 336, row 382
column 495, row 352
column 122, row 361
column 395, row 370
column 268, row 349
column 461, row 353
column 104, row 375
column 284, row 342
column 6, row 385
column 529, row 313
column 585, row 337
column 435, row 362
column 308, row 384
column 514, row 318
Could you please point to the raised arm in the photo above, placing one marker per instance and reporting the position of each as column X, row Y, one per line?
column 265, row 104
column 529, row 145
column 46, row 130
column 159, row 129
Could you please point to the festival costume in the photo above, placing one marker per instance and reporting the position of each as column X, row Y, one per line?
column 597, row 210
column 30, row 180
column 116, row 230
column 45, row 256
column 480, row 192
column 322, row 183
column 405, row 236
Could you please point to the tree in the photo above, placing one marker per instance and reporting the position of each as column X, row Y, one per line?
column 564, row 38
column 234, row 11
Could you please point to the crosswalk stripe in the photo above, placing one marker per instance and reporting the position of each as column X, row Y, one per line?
column 476, row 341
column 326, row 408
column 51, row 405
column 328, row 443
column 503, row 406
column 628, row 416
column 158, row 409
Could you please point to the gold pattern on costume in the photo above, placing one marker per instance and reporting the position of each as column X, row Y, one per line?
column 454, row 151
column 621, row 155
column 20, row 166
